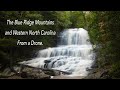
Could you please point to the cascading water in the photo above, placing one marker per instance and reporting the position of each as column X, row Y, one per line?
column 73, row 54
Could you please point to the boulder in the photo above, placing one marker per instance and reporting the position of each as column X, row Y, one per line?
column 24, row 74
column 32, row 73
column 47, row 61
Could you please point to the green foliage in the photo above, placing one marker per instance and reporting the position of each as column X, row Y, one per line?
column 62, row 20
column 115, row 70
column 104, row 32
column 77, row 19
column 93, row 27
column 4, row 58
column 7, row 42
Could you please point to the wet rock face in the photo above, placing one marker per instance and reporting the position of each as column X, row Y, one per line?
column 52, row 73
column 47, row 61
column 98, row 74
column 30, row 73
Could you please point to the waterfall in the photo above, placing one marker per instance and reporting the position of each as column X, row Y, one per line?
column 73, row 53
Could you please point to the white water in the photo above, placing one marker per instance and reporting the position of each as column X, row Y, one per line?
column 73, row 54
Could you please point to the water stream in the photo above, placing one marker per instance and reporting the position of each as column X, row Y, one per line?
column 73, row 53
